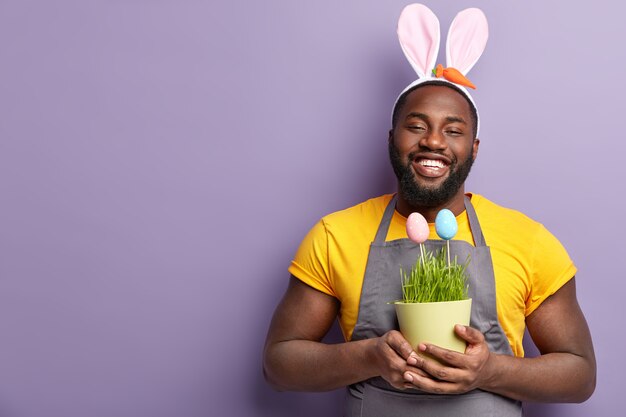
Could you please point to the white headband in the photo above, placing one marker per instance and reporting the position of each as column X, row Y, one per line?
column 419, row 35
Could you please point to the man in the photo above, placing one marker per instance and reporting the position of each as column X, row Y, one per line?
column 347, row 267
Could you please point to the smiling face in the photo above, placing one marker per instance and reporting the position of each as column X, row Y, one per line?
column 432, row 146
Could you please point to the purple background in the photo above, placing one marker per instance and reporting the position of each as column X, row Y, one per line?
column 161, row 160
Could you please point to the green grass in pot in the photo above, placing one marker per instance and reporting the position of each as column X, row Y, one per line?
column 431, row 280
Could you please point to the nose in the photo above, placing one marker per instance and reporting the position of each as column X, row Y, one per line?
column 434, row 141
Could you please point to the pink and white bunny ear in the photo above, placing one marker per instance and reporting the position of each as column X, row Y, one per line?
column 419, row 35
column 467, row 38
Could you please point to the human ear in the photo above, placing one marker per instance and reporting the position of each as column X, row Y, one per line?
column 475, row 148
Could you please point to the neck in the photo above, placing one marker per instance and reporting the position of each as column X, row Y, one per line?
column 456, row 205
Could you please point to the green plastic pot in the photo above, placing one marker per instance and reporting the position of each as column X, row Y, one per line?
column 434, row 322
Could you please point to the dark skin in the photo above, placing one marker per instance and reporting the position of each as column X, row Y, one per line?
column 295, row 358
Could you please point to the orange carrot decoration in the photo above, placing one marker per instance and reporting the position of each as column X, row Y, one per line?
column 452, row 75
column 439, row 71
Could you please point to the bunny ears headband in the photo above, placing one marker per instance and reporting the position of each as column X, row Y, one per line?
column 419, row 35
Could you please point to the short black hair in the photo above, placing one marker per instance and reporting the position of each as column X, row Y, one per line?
column 402, row 100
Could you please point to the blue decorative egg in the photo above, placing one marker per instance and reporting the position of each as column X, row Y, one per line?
column 445, row 224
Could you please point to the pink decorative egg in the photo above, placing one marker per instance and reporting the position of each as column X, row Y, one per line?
column 417, row 228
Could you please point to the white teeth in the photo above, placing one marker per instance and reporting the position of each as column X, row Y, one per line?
column 431, row 163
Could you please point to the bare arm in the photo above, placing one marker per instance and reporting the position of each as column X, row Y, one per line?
column 295, row 359
column 565, row 371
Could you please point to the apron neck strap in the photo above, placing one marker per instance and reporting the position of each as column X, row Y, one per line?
column 383, row 227
column 477, row 231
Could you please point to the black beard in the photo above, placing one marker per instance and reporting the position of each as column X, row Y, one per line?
column 419, row 196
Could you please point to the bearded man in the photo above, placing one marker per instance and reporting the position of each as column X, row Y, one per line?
column 520, row 277
column 348, row 266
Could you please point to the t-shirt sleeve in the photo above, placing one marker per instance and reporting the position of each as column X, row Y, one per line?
column 551, row 268
column 311, row 265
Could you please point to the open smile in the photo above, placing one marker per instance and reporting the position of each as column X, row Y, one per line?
column 431, row 166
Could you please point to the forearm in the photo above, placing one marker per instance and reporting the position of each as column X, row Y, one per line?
column 303, row 365
column 552, row 377
column 295, row 359
column 555, row 376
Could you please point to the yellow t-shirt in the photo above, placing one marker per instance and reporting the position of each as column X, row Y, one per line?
column 529, row 263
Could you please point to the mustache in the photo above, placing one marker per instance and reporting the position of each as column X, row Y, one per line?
column 415, row 154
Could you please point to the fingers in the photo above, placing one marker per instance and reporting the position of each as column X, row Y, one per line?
column 444, row 356
column 435, row 369
column 442, row 364
column 404, row 349
column 396, row 357
column 428, row 384
column 416, row 371
column 449, row 371
column 469, row 334
column 476, row 344
column 438, row 378
column 400, row 345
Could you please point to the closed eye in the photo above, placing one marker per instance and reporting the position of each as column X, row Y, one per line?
column 454, row 132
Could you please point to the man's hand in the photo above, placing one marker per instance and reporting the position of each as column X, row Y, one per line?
column 457, row 372
column 393, row 354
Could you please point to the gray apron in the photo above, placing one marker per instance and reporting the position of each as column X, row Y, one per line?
column 381, row 284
